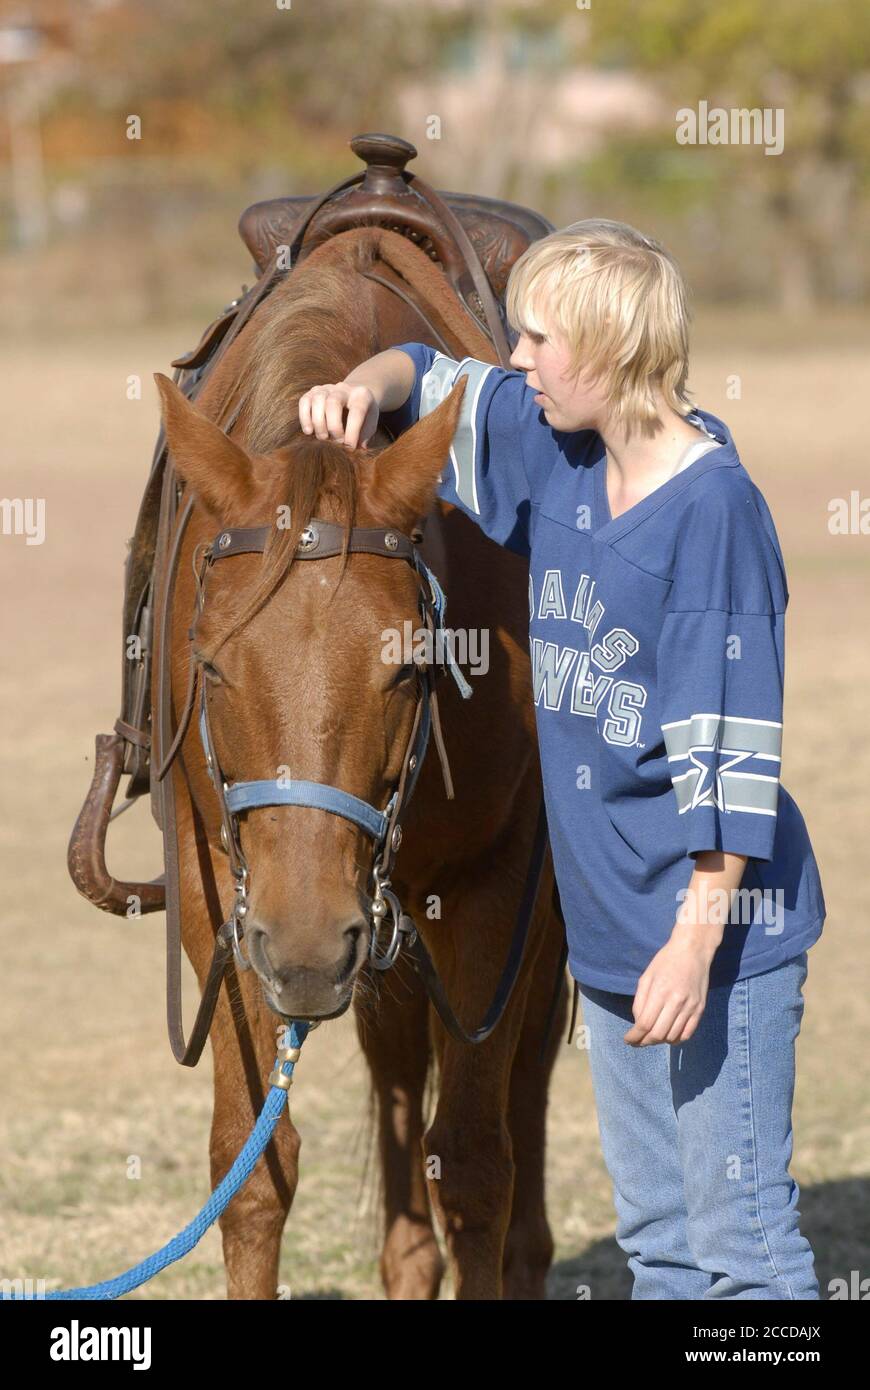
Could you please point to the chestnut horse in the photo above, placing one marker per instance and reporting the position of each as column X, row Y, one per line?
column 292, row 653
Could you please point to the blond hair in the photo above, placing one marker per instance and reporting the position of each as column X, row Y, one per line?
column 620, row 302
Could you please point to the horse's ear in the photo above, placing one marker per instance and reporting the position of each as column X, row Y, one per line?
column 216, row 470
column 405, row 475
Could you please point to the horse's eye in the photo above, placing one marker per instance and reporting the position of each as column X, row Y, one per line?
column 209, row 671
column 404, row 673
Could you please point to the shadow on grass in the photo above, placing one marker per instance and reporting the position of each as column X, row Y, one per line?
column 834, row 1218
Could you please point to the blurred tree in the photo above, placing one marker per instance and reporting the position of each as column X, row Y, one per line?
column 810, row 60
column 326, row 70
column 230, row 83
column 242, row 100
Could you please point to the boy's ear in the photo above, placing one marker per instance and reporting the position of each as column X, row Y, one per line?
column 216, row 469
column 402, row 479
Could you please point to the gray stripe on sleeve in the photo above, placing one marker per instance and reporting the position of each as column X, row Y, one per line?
column 435, row 386
column 437, row 383
column 732, row 791
column 757, row 736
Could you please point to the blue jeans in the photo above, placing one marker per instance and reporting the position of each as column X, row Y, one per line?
column 697, row 1138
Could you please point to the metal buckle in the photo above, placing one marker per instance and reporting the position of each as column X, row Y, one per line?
column 387, row 958
column 240, row 911
column 385, row 901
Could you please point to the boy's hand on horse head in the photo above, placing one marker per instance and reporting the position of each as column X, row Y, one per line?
column 322, row 409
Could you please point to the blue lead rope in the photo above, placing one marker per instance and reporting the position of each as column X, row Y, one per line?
column 226, row 1189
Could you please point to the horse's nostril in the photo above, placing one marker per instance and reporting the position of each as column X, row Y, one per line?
column 258, row 951
column 351, row 935
column 282, row 962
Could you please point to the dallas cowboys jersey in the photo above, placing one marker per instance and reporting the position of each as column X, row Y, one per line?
column 657, row 652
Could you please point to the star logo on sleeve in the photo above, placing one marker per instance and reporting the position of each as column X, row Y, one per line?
column 711, row 761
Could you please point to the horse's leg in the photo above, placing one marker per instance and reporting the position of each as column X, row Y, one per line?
column 243, row 1037
column 468, row 1150
column 529, row 1245
column 244, row 1040
column 393, row 1025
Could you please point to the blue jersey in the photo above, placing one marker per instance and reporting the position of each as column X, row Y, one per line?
column 657, row 658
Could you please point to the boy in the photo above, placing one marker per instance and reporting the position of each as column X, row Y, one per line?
column 657, row 597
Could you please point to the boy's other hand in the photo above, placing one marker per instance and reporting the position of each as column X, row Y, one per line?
column 671, row 994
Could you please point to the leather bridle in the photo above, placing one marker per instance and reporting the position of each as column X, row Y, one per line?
column 318, row 541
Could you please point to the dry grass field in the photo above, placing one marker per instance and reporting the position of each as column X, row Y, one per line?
column 88, row 1078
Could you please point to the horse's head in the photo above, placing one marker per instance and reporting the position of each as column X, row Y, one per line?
column 300, row 679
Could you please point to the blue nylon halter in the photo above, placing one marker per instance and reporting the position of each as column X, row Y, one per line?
column 287, row 791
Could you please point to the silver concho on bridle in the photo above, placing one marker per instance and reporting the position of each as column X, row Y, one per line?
column 239, row 913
